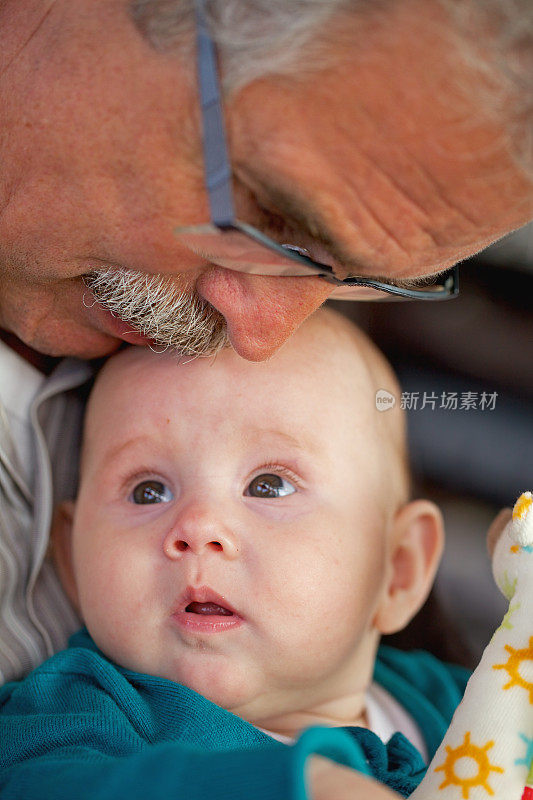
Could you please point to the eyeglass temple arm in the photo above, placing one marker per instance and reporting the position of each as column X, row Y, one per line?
column 217, row 166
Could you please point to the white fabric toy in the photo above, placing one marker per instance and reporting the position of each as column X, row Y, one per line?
column 488, row 749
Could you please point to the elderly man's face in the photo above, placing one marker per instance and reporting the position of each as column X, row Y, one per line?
column 382, row 157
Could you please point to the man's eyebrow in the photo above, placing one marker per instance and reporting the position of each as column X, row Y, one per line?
column 302, row 212
column 417, row 282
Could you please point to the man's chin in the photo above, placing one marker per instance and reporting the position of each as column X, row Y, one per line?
column 42, row 349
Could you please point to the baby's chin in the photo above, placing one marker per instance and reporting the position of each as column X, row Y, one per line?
column 251, row 698
column 234, row 687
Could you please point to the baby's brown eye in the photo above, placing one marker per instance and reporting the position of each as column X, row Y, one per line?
column 151, row 492
column 269, row 486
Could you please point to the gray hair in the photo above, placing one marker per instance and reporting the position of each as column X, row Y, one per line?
column 496, row 38
column 256, row 38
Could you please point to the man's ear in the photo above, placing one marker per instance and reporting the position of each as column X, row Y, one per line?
column 416, row 544
column 61, row 550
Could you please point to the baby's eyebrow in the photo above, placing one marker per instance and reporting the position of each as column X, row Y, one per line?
column 302, row 443
column 133, row 442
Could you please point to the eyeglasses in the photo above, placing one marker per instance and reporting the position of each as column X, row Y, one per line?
column 236, row 245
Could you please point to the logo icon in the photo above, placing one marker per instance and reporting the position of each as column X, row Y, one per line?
column 384, row 400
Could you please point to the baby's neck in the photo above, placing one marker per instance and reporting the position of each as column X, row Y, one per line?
column 350, row 711
column 338, row 701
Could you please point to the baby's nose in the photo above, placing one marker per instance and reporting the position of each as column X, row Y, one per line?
column 199, row 531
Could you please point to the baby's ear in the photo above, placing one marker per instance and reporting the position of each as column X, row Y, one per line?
column 61, row 549
column 416, row 544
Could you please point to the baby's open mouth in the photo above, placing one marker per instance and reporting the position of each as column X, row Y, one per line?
column 209, row 609
column 202, row 611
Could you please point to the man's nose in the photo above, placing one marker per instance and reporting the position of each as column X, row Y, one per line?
column 199, row 531
column 261, row 312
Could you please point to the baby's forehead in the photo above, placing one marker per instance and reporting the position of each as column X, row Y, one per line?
column 318, row 360
column 328, row 368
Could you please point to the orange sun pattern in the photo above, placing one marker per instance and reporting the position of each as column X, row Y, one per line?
column 512, row 667
column 479, row 755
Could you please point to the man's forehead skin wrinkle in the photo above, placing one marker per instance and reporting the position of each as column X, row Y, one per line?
column 293, row 208
column 458, row 227
column 299, row 210
column 296, row 210
column 30, row 27
column 408, row 165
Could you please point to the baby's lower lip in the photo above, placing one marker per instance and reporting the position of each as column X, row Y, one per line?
column 206, row 623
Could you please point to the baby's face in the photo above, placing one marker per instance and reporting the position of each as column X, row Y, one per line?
column 229, row 532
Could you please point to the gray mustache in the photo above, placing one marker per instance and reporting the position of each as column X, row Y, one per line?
column 153, row 305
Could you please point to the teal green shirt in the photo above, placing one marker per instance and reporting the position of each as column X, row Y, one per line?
column 81, row 726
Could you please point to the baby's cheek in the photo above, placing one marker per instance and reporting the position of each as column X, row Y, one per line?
column 104, row 586
column 111, row 613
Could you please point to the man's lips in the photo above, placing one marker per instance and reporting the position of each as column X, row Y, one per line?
column 104, row 320
column 202, row 610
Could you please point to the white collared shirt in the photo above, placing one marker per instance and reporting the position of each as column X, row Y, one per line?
column 40, row 421
column 20, row 382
